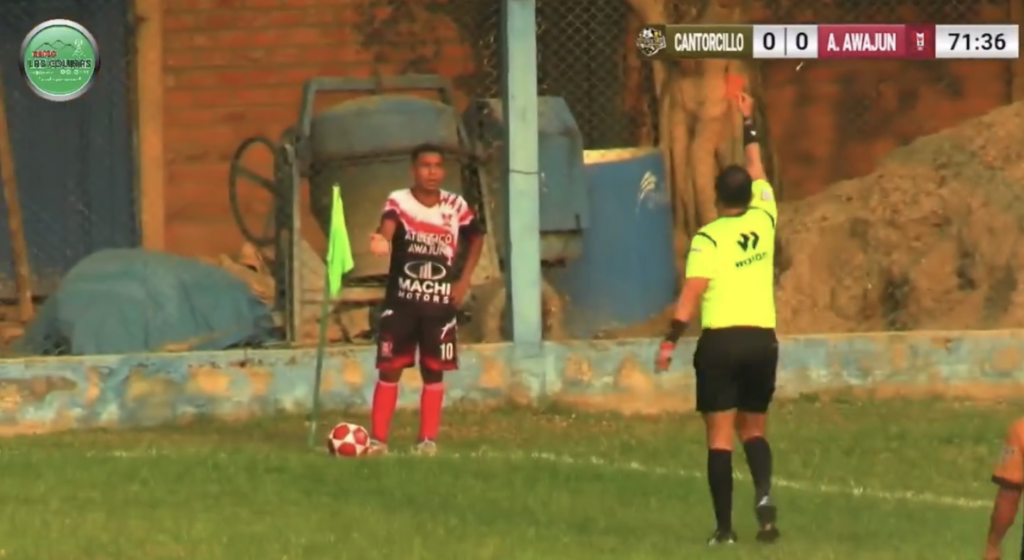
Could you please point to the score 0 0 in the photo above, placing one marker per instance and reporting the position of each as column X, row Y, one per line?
column 785, row 41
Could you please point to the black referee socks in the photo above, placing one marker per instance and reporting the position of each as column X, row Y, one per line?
column 720, row 481
column 759, row 459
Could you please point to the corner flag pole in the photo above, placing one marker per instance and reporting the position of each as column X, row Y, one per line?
column 339, row 262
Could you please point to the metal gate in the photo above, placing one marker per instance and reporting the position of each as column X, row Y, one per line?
column 74, row 161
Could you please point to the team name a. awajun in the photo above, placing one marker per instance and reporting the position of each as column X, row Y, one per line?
column 870, row 42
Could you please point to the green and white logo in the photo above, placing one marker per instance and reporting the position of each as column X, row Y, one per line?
column 59, row 60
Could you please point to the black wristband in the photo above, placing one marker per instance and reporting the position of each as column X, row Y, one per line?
column 749, row 132
column 675, row 330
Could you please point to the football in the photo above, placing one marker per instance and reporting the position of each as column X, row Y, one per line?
column 348, row 440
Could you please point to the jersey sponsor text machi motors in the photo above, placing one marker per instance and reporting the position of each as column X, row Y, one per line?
column 424, row 246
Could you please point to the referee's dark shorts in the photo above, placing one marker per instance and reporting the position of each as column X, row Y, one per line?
column 736, row 369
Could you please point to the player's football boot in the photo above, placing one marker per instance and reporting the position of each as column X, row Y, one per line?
column 766, row 513
column 377, row 448
column 426, row 448
column 720, row 537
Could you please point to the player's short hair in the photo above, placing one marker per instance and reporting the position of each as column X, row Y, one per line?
column 734, row 187
column 424, row 149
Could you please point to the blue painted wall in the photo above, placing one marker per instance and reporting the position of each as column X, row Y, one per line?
column 75, row 160
column 45, row 394
column 627, row 272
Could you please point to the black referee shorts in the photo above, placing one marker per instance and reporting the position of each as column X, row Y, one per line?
column 736, row 369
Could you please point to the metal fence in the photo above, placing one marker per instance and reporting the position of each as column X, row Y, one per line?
column 459, row 42
column 878, row 105
column 827, row 121
column 587, row 56
column 73, row 163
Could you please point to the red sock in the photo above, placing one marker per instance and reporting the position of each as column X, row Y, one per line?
column 430, row 410
column 385, row 398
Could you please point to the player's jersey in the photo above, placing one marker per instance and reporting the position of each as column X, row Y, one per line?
column 1010, row 470
column 1009, row 473
column 423, row 249
column 737, row 255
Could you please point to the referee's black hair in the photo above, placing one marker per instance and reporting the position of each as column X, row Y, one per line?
column 423, row 149
column 734, row 188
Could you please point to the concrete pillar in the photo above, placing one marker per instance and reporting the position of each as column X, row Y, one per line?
column 519, row 93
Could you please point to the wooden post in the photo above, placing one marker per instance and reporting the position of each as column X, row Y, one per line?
column 1017, row 65
column 15, row 220
column 149, row 95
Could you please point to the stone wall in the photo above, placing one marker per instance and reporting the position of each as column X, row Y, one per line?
column 47, row 394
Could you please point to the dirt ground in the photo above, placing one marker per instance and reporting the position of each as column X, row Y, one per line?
column 931, row 240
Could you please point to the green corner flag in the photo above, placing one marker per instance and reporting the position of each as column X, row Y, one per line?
column 339, row 261
column 339, row 249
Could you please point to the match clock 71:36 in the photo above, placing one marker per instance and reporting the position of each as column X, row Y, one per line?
column 977, row 41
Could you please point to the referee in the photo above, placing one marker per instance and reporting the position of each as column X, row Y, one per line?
column 730, row 276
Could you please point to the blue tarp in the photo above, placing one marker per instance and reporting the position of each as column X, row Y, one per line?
column 119, row 301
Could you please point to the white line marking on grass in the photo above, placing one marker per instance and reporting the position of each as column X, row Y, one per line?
column 851, row 491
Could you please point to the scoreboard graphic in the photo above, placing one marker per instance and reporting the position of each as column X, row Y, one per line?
column 814, row 42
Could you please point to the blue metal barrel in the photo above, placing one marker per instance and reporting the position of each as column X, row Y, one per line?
column 626, row 273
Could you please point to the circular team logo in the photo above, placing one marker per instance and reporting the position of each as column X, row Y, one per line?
column 59, row 60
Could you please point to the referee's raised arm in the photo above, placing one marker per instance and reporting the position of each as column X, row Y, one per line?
column 751, row 143
column 763, row 197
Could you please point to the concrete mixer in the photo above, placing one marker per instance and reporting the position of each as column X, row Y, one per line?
column 363, row 145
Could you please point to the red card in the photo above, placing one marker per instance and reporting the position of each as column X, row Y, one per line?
column 734, row 86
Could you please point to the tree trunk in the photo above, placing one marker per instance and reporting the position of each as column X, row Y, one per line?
column 697, row 125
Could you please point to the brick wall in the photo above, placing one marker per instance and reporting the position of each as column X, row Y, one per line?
column 235, row 68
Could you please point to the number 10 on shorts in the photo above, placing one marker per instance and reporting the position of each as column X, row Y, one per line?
column 448, row 351
column 785, row 41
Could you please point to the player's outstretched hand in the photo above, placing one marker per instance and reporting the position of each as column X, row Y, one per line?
column 745, row 103
column 664, row 358
column 992, row 553
column 379, row 246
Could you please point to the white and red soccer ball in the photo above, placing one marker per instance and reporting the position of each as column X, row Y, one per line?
column 348, row 440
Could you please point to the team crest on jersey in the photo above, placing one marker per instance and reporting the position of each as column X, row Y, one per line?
column 651, row 41
column 446, row 219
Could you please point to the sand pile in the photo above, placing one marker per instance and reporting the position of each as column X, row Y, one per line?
column 931, row 240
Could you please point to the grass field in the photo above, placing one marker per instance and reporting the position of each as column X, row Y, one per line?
column 883, row 480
